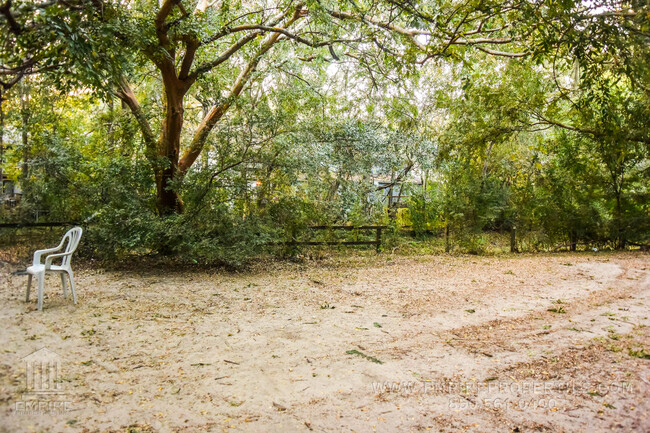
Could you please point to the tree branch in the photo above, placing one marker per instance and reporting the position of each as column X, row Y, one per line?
column 288, row 34
column 237, row 45
column 594, row 133
column 226, row 54
column 125, row 93
column 191, row 45
column 227, row 30
column 501, row 53
column 409, row 33
column 13, row 24
column 217, row 112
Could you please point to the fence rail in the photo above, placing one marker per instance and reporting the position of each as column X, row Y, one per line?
column 376, row 242
column 21, row 225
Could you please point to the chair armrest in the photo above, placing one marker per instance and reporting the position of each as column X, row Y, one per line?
column 39, row 253
column 48, row 259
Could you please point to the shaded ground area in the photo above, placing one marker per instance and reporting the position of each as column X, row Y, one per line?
column 544, row 343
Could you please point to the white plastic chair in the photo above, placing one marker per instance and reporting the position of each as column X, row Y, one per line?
column 39, row 269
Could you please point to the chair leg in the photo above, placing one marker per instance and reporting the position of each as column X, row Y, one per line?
column 29, row 287
column 65, row 289
column 41, row 278
column 74, row 293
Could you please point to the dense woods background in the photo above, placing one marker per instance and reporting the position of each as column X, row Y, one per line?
column 214, row 130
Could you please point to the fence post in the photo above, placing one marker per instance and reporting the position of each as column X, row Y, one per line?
column 513, row 240
column 447, row 246
column 378, row 239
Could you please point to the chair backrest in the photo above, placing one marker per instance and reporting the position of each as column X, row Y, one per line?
column 73, row 236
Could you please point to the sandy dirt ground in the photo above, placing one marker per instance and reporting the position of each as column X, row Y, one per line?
column 543, row 343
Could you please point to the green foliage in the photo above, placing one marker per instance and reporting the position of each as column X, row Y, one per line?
column 424, row 209
column 552, row 147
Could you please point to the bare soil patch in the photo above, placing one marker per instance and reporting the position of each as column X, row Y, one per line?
column 544, row 343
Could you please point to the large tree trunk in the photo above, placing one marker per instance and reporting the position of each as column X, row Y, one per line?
column 168, row 200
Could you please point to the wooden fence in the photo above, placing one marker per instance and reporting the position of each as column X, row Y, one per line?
column 376, row 242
